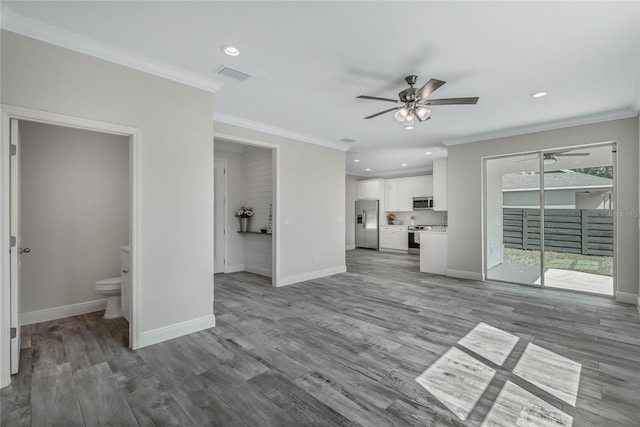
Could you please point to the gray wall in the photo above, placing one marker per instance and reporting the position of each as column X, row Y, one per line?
column 75, row 212
column 465, row 193
column 176, row 163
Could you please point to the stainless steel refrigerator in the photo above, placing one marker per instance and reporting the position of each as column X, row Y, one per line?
column 367, row 224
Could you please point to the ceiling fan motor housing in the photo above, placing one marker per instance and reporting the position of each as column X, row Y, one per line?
column 408, row 95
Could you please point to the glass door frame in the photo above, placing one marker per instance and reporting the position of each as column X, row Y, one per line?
column 540, row 153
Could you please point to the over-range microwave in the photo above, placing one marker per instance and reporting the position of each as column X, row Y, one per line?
column 422, row 203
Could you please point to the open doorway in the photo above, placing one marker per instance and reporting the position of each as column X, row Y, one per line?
column 245, row 207
column 554, row 229
column 62, row 232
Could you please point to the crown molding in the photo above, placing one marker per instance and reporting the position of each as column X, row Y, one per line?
column 274, row 130
column 558, row 124
column 394, row 173
column 16, row 23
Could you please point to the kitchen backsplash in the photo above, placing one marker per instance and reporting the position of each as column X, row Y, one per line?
column 422, row 217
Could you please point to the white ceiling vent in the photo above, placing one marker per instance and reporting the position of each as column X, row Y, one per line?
column 234, row 74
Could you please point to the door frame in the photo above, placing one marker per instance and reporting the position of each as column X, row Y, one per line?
column 275, row 242
column 540, row 152
column 224, row 215
column 8, row 112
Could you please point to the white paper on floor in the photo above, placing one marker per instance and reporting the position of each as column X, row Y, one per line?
column 457, row 380
column 517, row 407
column 491, row 343
column 551, row 372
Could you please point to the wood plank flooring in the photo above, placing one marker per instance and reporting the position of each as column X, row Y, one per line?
column 343, row 350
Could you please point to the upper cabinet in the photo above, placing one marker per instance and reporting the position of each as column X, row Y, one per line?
column 370, row 189
column 423, row 186
column 440, row 185
column 405, row 194
column 398, row 195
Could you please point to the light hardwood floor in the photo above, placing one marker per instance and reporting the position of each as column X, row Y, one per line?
column 343, row 350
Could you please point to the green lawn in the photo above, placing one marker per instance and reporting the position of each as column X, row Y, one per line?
column 565, row 261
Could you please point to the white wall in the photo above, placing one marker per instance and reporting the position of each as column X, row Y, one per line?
column 311, row 208
column 258, row 194
column 465, row 193
column 235, row 258
column 175, row 254
column 75, row 212
column 350, row 207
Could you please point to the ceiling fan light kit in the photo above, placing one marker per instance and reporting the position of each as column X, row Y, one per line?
column 415, row 100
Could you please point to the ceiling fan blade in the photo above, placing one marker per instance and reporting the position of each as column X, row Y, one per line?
column 382, row 112
column 428, row 88
column 377, row 98
column 570, row 154
column 452, row 101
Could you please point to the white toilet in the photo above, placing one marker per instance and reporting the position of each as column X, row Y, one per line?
column 111, row 288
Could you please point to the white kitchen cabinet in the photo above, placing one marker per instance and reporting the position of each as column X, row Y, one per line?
column 369, row 189
column 394, row 238
column 440, row 185
column 405, row 194
column 391, row 195
column 423, row 186
column 398, row 195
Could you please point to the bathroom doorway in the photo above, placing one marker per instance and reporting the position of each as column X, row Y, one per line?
column 74, row 180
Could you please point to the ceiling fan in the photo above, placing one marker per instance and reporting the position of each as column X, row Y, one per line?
column 551, row 158
column 414, row 101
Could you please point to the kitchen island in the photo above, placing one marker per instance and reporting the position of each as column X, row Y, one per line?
column 433, row 251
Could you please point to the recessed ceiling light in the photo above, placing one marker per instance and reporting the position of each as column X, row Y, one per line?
column 230, row 50
column 367, row 169
column 539, row 94
column 403, row 165
column 356, row 160
column 427, row 153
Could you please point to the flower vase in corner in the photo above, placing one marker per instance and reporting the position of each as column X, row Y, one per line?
column 244, row 223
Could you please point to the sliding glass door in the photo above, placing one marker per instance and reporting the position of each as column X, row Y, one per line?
column 513, row 219
column 551, row 229
column 578, row 218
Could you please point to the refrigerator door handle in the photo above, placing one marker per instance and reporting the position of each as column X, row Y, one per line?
column 364, row 219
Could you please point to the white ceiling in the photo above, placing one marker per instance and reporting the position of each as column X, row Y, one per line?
column 309, row 61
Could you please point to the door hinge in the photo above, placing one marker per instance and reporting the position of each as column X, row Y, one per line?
column 14, row 333
column 14, row 149
column 12, row 241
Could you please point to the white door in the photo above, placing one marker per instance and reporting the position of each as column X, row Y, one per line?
column 16, row 249
column 219, row 206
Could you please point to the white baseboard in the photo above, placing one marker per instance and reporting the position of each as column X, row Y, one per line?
column 234, row 268
column 31, row 317
column 469, row 275
column 165, row 333
column 627, row 298
column 258, row 270
column 394, row 251
column 284, row 281
column 350, row 247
